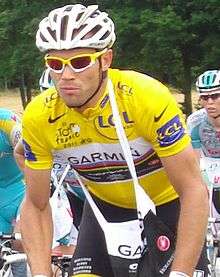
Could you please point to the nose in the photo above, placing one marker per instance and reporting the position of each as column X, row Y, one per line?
column 68, row 73
column 210, row 100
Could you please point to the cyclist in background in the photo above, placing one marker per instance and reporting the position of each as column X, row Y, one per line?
column 45, row 81
column 72, row 123
column 12, row 187
column 204, row 125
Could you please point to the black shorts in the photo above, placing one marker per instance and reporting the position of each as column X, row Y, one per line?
column 216, row 199
column 91, row 256
column 76, row 205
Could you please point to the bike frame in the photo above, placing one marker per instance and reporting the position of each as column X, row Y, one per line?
column 210, row 168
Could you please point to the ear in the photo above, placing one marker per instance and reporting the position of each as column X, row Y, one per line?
column 106, row 60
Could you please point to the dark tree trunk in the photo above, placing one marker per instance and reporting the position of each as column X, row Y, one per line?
column 187, row 81
column 25, row 91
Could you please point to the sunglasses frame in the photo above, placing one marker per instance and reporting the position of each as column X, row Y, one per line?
column 93, row 57
column 214, row 96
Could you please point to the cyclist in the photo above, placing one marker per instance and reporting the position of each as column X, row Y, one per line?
column 65, row 236
column 73, row 124
column 12, row 188
column 45, row 81
column 204, row 125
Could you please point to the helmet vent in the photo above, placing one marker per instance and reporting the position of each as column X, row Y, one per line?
column 63, row 27
column 43, row 38
column 79, row 16
column 52, row 33
column 94, row 14
column 77, row 31
column 92, row 32
column 55, row 18
column 68, row 9
column 105, row 35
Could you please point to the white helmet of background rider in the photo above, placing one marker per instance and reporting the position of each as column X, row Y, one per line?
column 75, row 26
column 45, row 81
column 208, row 82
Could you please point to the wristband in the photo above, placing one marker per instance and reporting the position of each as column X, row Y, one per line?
column 178, row 274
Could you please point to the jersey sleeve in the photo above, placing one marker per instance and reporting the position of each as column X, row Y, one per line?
column 36, row 149
column 163, row 121
column 193, row 122
column 196, row 142
column 10, row 123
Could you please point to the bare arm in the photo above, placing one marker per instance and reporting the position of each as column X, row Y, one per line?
column 19, row 154
column 183, row 171
column 198, row 153
column 36, row 221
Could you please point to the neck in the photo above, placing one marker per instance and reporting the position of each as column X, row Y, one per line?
column 94, row 100
column 215, row 122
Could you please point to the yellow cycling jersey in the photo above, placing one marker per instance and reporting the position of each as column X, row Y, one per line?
column 55, row 135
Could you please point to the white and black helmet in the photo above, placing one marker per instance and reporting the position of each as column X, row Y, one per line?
column 208, row 82
column 75, row 26
column 45, row 81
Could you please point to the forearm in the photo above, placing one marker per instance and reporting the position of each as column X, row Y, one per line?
column 36, row 229
column 191, row 230
column 20, row 160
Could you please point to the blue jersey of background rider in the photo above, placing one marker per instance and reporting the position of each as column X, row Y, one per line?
column 12, row 187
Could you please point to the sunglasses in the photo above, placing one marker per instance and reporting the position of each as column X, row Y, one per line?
column 212, row 96
column 77, row 63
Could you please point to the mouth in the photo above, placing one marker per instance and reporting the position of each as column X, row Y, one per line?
column 70, row 90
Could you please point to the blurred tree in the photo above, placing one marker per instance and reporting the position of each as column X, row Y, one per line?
column 173, row 40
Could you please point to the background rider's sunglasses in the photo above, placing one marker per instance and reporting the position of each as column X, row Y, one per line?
column 213, row 96
column 77, row 63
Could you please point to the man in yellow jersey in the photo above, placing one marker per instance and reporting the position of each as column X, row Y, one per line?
column 76, row 124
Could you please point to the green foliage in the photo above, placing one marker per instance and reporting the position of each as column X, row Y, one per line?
column 173, row 40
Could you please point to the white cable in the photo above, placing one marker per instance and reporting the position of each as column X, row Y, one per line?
column 59, row 183
column 178, row 274
column 15, row 258
column 17, row 236
column 143, row 201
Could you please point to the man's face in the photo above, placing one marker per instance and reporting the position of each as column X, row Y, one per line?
column 211, row 102
column 75, row 88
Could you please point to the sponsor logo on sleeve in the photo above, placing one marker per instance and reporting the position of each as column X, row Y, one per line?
column 170, row 132
column 29, row 155
column 14, row 118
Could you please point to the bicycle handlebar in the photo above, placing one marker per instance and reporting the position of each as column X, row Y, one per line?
column 213, row 220
column 13, row 236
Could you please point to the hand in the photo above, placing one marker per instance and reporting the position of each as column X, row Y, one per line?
column 178, row 274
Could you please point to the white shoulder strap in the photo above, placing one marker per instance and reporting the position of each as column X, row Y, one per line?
column 143, row 201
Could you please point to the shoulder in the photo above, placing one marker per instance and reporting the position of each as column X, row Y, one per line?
column 196, row 118
column 135, row 79
column 6, row 114
column 142, row 88
column 41, row 106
